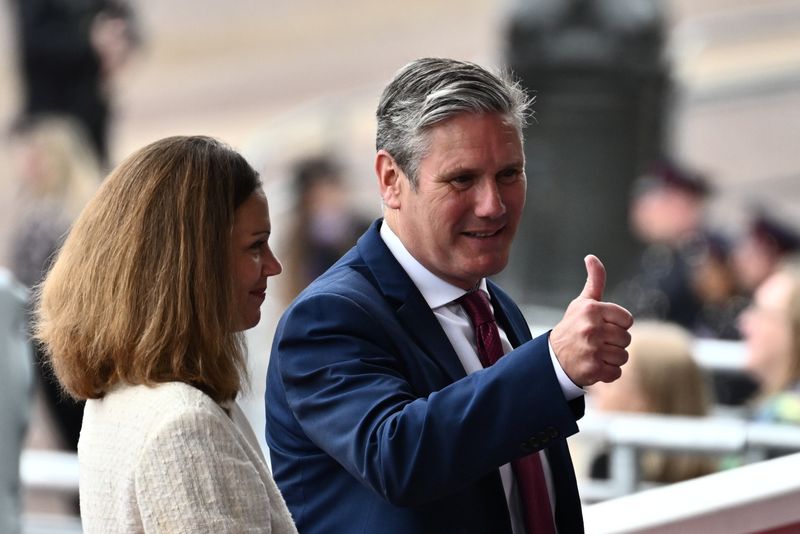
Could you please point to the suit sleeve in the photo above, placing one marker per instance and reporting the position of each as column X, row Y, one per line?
column 192, row 477
column 352, row 380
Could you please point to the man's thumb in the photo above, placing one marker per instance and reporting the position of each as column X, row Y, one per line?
column 595, row 278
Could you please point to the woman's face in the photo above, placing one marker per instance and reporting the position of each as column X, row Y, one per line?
column 252, row 259
column 766, row 329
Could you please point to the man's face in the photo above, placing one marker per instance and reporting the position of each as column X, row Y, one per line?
column 461, row 220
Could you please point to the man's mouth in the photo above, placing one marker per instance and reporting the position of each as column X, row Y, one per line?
column 483, row 234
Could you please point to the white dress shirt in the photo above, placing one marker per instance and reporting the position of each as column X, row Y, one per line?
column 440, row 297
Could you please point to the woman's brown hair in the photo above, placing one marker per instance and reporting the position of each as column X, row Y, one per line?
column 673, row 384
column 141, row 291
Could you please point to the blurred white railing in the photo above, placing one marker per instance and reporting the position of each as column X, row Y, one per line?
column 755, row 498
column 625, row 436
column 51, row 471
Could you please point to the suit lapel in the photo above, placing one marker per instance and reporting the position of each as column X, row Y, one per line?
column 422, row 325
column 412, row 311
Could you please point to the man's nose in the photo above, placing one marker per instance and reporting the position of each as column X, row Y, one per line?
column 489, row 202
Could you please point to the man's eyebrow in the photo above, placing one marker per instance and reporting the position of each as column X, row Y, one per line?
column 460, row 169
column 457, row 169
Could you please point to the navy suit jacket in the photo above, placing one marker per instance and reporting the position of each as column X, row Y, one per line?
column 374, row 427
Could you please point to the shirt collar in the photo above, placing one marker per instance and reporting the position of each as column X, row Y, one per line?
column 435, row 291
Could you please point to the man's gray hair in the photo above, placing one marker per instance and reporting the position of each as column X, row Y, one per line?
column 430, row 90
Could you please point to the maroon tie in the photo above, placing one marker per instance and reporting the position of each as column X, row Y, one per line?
column 528, row 469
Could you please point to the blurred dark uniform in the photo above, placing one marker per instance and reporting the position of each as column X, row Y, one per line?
column 662, row 287
column 688, row 279
column 61, row 69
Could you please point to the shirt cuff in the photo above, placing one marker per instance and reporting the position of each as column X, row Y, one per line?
column 571, row 390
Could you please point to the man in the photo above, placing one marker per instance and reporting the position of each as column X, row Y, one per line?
column 386, row 411
column 667, row 214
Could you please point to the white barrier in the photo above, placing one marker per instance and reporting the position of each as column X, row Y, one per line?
column 49, row 470
column 626, row 435
column 754, row 498
column 52, row 471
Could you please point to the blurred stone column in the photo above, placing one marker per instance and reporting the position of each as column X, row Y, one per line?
column 597, row 70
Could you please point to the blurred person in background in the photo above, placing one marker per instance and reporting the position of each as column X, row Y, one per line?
column 325, row 225
column 685, row 273
column 70, row 51
column 56, row 173
column 667, row 216
column 715, row 284
column 759, row 252
column 771, row 330
column 661, row 377
column 142, row 314
column 15, row 397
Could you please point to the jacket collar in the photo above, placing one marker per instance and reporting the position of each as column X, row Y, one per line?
column 412, row 310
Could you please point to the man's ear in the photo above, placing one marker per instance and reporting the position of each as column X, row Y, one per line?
column 391, row 179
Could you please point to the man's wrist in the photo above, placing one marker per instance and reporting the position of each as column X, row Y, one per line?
column 570, row 389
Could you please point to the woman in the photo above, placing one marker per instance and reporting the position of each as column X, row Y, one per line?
column 57, row 173
column 661, row 377
column 771, row 330
column 142, row 315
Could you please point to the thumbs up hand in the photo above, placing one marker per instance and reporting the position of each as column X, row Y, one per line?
column 591, row 338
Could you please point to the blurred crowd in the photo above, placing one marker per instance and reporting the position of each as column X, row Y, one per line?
column 693, row 281
column 697, row 282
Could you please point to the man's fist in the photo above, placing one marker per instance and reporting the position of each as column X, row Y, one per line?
column 591, row 338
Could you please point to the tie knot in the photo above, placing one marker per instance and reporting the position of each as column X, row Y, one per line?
column 476, row 304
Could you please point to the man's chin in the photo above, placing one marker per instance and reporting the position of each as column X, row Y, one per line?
column 489, row 268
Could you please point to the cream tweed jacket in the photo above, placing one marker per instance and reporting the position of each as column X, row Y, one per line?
column 168, row 459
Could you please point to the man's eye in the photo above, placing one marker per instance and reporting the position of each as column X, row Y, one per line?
column 462, row 180
column 509, row 176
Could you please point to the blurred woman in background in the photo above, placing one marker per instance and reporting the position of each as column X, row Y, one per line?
column 771, row 330
column 56, row 173
column 142, row 315
column 661, row 377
